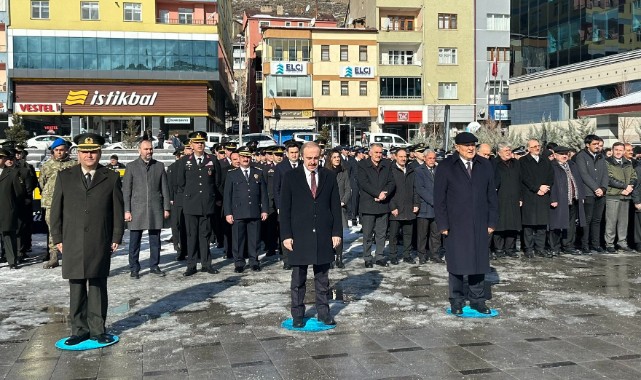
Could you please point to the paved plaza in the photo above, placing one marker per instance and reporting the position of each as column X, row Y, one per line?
column 573, row 317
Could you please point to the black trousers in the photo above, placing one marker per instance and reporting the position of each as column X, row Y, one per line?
column 593, row 208
column 534, row 238
column 474, row 291
column 354, row 202
column 269, row 232
column 217, row 220
column 321, row 288
column 505, row 240
column 246, row 231
column 637, row 229
column 88, row 306
column 178, row 231
column 374, row 228
column 198, row 235
column 427, row 232
column 564, row 239
column 135, row 236
column 10, row 246
column 407, row 227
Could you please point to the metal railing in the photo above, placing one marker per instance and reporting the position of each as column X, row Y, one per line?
column 162, row 20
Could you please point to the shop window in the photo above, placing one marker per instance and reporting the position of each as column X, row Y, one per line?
column 344, row 88
column 325, row 87
column 362, row 53
column 39, row 9
column 89, row 10
column 344, row 53
column 400, row 88
column 133, row 11
column 363, row 88
column 185, row 15
column 447, row 90
column 324, row 52
column 447, row 21
column 447, row 56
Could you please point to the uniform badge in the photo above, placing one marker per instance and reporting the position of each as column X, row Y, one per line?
column 209, row 171
column 256, row 177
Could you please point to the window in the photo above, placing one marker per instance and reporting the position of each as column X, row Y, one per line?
column 325, row 90
column 290, row 86
column 503, row 54
column 362, row 88
column 399, row 57
column 344, row 88
column 362, row 53
column 40, row 9
column 287, row 50
column 133, row 11
column 301, row 24
column 446, row 21
column 447, row 56
column 163, row 16
column 261, row 24
column 288, row 23
column 324, row 52
column 447, row 90
column 400, row 88
column 185, row 16
column 89, row 10
column 344, row 53
column 397, row 23
column 498, row 22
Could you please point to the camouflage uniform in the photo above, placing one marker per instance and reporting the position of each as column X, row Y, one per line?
column 47, row 180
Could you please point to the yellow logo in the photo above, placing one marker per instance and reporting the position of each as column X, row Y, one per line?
column 88, row 140
column 77, row 97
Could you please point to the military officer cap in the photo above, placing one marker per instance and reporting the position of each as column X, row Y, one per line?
column 393, row 150
column 178, row 152
column 279, row 150
column 187, row 143
column 270, row 149
column 89, row 142
column 245, row 151
column 321, row 142
column 261, row 151
column 215, row 148
column 252, row 144
column 230, row 145
column 197, row 136
column 58, row 142
column 4, row 152
column 19, row 148
column 561, row 149
column 465, row 138
column 421, row 148
column 221, row 149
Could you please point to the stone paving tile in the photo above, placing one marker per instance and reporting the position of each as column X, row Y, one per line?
column 343, row 367
column 263, row 371
column 205, row 356
column 391, row 340
column 530, row 354
column 245, row 352
column 162, row 358
column 121, row 365
column 599, row 346
column 459, row 358
column 613, row 369
column 491, row 375
column 427, row 337
column 568, row 351
column 75, row 366
column 428, row 366
column 498, row 357
column 220, row 373
column 531, row 373
column 303, row 369
column 344, row 343
column 33, row 369
column 285, row 348
column 575, row 372
column 383, row 365
column 9, row 352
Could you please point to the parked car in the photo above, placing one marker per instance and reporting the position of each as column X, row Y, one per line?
column 388, row 140
column 214, row 138
column 43, row 142
column 154, row 141
column 264, row 140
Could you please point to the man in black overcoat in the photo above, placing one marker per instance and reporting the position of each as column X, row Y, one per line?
column 292, row 162
column 311, row 227
column 537, row 179
column 404, row 204
column 466, row 208
column 11, row 193
column 508, row 187
column 178, row 228
column 87, row 224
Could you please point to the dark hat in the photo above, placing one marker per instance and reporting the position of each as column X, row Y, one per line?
column 231, row 145
column 19, row 148
column 245, row 151
column 187, row 143
column 636, row 149
column 221, row 149
column 58, row 142
column 561, row 149
column 279, row 150
column 321, row 142
column 393, row 149
column 178, row 152
column 421, row 148
column 89, row 142
column 113, row 157
column 519, row 151
column 198, row 136
column 4, row 152
column 270, row 149
column 465, row 138
column 262, row 151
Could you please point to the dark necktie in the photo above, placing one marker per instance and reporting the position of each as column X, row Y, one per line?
column 432, row 171
column 313, row 183
column 200, row 161
column 88, row 180
column 293, row 166
column 246, row 175
column 469, row 169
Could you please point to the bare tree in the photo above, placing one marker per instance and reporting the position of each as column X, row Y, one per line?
column 627, row 125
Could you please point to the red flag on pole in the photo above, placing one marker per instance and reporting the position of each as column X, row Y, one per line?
column 495, row 64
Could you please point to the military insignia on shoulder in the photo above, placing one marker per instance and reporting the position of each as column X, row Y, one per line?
column 256, row 176
column 257, row 168
column 271, row 171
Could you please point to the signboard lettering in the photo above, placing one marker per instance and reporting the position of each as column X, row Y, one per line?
column 113, row 98
column 403, row 116
column 288, row 68
column 42, row 108
column 177, row 120
column 356, row 72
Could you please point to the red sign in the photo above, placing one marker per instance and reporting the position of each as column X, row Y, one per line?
column 403, row 116
column 51, row 127
column 40, row 108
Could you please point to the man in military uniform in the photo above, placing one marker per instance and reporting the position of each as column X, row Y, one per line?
column 230, row 147
column 11, row 193
column 245, row 207
column 197, row 178
column 178, row 231
column 87, row 224
column 48, row 173
column 269, row 229
column 25, row 214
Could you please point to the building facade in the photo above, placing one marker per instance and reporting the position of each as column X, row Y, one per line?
column 4, row 85
column 100, row 66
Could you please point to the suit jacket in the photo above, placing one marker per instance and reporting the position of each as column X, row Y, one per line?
column 310, row 222
column 371, row 181
column 245, row 199
column 146, row 194
column 87, row 221
column 199, row 185
column 466, row 207
column 424, row 185
column 174, row 195
column 12, row 191
column 535, row 208
column 279, row 174
column 404, row 198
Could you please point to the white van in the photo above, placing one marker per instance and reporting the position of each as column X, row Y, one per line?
column 214, row 138
column 388, row 140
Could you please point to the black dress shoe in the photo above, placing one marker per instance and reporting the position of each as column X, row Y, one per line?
column 103, row 338
column 381, row 263
column 327, row 320
column 409, row 260
column 239, row 269
column 299, row 322
column 340, row 264
column 481, row 308
column 190, row 272
column 134, row 275
column 529, row 254
column 368, row 264
column 157, row 272
column 611, row 250
column 422, row 261
column 209, row 270
column 597, row 249
column 3, row 260
column 256, row 268
column 287, row 267
column 75, row 339
column 625, row 248
column 394, row 261
column 437, row 259
column 586, row 250
column 457, row 309
column 14, row 266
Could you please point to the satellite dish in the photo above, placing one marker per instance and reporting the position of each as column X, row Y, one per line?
column 313, row 21
column 307, row 8
column 473, row 127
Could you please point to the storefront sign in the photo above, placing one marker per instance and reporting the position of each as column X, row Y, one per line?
column 357, row 72
column 304, row 113
column 403, row 116
column 288, row 68
column 51, row 127
column 113, row 98
column 177, row 120
column 37, row 108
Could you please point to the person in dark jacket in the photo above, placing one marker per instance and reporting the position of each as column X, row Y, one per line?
column 404, row 204
column 335, row 163
column 178, row 228
column 594, row 176
column 11, row 193
column 466, row 208
column 292, row 162
column 87, row 224
column 566, row 203
column 426, row 228
column 311, row 228
column 376, row 185
column 622, row 180
column 537, row 179
column 508, row 187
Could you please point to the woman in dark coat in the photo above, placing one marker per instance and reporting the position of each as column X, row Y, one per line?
column 508, row 186
column 334, row 163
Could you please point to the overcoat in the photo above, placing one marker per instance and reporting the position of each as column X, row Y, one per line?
column 279, row 173
column 404, row 198
column 535, row 211
column 12, row 191
column 146, row 194
column 87, row 221
column 371, row 181
column 508, row 187
column 345, row 192
column 424, row 185
column 466, row 207
column 560, row 215
column 310, row 222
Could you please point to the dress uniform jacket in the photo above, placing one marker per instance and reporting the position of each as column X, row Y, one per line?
column 87, row 221
column 146, row 194
column 268, row 172
column 245, row 199
column 198, row 184
column 11, row 192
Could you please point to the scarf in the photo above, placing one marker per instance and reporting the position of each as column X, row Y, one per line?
column 572, row 191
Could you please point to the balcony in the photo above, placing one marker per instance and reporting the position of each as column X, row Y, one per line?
column 177, row 21
column 400, row 36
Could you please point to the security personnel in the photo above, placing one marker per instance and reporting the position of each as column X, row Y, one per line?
column 269, row 229
column 245, row 206
column 178, row 231
column 11, row 192
column 197, row 178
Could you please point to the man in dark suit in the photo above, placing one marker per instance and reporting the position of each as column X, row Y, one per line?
column 466, row 208
column 245, row 207
column 25, row 211
column 11, row 193
column 235, row 163
column 376, row 185
column 178, row 230
column 87, row 224
column 428, row 236
column 311, row 227
column 197, row 178
column 292, row 162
